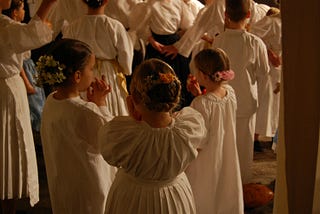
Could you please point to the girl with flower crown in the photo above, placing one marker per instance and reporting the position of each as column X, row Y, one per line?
column 19, row 174
column 215, row 174
column 78, row 177
column 112, row 47
column 152, row 147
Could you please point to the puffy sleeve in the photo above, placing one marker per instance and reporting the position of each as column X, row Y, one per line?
column 214, row 13
column 152, row 152
column 19, row 38
column 124, row 46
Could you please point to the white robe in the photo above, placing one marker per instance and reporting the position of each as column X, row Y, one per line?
column 78, row 177
column 215, row 174
column 252, row 84
column 19, row 174
column 152, row 161
column 269, row 30
column 112, row 47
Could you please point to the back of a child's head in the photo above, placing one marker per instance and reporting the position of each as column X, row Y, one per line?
column 155, row 85
column 94, row 4
column 237, row 10
column 211, row 61
column 63, row 59
column 15, row 5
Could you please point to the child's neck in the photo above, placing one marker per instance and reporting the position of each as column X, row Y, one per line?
column 241, row 25
column 97, row 11
column 217, row 89
column 156, row 119
column 66, row 93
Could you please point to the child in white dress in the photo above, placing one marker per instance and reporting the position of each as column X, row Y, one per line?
column 153, row 147
column 19, row 174
column 78, row 177
column 112, row 47
column 215, row 174
column 249, row 59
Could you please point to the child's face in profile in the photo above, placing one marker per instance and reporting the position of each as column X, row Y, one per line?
column 87, row 75
column 19, row 13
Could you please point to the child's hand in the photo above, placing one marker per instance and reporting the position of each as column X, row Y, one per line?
column 193, row 85
column 274, row 58
column 98, row 91
column 132, row 110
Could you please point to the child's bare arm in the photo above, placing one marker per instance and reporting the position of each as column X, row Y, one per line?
column 29, row 86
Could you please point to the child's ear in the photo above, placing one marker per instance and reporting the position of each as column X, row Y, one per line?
column 77, row 76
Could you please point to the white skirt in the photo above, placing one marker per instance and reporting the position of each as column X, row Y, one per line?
column 132, row 195
column 19, row 174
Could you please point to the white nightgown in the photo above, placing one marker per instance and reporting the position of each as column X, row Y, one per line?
column 78, row 177
column 19, row 174
column 152, row 161
column 252, row 85
column 215, row 174
column 113, row 49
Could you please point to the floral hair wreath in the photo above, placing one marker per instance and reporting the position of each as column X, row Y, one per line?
column 49, row 70
column 223, row 75
column 164, row 78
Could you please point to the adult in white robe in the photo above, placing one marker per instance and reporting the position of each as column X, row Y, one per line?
column 151, row 163
column 215, row 174
column 249, row 60
column 269, row 30
column 113, row 49
column 19, row 174
column 78, row 177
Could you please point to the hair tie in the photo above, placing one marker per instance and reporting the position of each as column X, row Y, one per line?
column 224, row 75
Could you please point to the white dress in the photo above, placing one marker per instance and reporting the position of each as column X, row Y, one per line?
column 215, row 174
column 152, row 161
column 252, row 84
column 269, row 30
column 78, row 177
column 113, row 49
column 19, row 174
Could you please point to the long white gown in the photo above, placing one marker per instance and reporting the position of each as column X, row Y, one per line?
column 215, row 174
column 269, row 30
column 19, row 174
column 113, row 49
column 152, row 161
column 78, row 177
column 252, row 85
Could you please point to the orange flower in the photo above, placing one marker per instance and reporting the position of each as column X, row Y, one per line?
column 166, row 78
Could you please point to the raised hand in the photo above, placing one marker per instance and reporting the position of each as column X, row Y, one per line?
column 98, row 91
column 193, row 86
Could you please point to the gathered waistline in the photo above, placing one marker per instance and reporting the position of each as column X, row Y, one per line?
column 122, row 174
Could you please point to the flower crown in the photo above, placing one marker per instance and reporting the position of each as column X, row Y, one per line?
column 50, row 71
column 164, row 78
column 223, row 75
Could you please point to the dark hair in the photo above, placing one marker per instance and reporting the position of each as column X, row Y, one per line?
column 209, row 61
column 15, row 4
column 72, row 54
column 94, row 4
column 149, row 87
column 237, row 10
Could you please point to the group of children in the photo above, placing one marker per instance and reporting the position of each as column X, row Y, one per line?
column 108, row 150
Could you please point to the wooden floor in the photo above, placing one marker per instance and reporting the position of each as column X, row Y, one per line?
column 264, row 172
